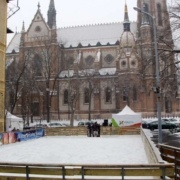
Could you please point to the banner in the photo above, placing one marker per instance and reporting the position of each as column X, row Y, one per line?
column 5, row 138
column 1, row 138
column 29, row 134
column 12, row 137
column 39, row 133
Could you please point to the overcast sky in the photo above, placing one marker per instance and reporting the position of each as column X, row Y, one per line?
column 72, row 12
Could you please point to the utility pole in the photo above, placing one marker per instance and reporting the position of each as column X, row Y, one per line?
column 157, row 88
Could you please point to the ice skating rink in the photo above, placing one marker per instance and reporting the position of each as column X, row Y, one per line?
column 77, row 150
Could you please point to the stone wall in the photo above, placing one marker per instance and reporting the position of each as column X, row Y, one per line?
column 152, row 151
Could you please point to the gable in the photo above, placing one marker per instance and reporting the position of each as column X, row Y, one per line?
column 38, row 27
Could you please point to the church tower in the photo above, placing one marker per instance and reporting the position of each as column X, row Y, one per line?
column 145, row 39
column 158, row 9
column 51, row 15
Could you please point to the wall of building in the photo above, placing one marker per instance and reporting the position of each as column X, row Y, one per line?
column 3, row 20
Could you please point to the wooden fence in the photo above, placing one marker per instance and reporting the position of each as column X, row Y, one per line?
column 84, row 172
column 82, row 130
column 172, row 155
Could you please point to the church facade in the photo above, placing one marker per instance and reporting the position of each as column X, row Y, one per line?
column 92, row 71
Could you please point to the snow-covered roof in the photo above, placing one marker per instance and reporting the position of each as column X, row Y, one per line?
column 9, row 62
column 66, row 73
column 86, row 72
column 107, row 71
column 92, row 34
column 14, row 43
column 102, row 71
column 84, row 35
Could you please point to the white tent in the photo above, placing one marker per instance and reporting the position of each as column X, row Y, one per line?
column 127, row 117
column 14, row 121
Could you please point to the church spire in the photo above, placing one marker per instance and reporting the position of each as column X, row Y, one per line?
column 126, row 16
column 126, row 22
column 51, row 15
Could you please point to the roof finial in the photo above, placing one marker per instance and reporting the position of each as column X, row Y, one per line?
column 23, row 27
column 39, row 5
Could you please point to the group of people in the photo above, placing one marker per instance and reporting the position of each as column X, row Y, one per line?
column 10, row 129
column 93, row 130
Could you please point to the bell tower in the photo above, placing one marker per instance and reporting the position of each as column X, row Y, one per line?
column 158, row 10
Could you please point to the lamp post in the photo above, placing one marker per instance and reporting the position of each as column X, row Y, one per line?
column 157, row 88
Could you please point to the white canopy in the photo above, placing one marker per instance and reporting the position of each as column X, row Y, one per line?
column 127, row 117
column 127, row 110
column 13, row 118
column 13, row 121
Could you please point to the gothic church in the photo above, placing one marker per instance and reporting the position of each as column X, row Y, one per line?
column 92, row 71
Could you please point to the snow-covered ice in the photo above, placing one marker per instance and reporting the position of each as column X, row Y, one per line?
column 127, row 149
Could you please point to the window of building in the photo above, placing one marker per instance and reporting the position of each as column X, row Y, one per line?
column 159, row 14
column 35, row 107
column 168, row 106
column 134, row 93
column 146, row 7
column 37, row 65
column 145, row 16
column 89, row 60
column 133, row 63
column 108, row 95
column 70, row 61
column 125, row 94
column 123, row 63
column 109, row 58
column 37, row 28
column 86, row 95
column 66, row 96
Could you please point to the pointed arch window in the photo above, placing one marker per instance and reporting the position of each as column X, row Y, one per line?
column 146, row 7
column 66, row 94
column 37, row 65
column 159, row 14
column 145, row 19
column 108, row 95
column 134, row 93
column 89, row 60
column 125, row 94
column 168, row 105
column 86, row 95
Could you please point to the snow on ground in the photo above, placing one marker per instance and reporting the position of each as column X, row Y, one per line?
column 77, row 150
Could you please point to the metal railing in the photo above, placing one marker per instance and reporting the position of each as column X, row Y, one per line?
column 172, row 155
column 20, row 171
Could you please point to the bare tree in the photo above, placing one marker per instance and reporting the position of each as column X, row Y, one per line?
column 14, row 80
column 45, row 67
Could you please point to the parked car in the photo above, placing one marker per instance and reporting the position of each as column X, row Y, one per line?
column 144, row 123
column 54, row 124
column 173, row 120
column 165, row 125
column 84, row 123
column 28, row 128
column 40, row 125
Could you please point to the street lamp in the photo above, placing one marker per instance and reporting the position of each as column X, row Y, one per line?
column 157, row 88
